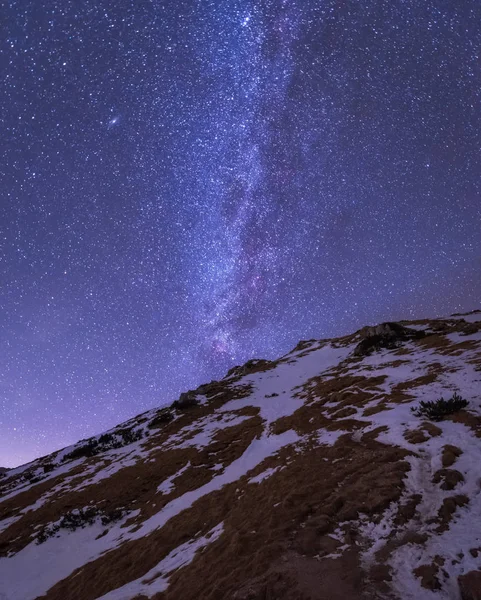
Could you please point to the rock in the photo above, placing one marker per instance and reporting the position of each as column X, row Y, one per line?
column 206, row 388
column 162, row 417
column 470, row 585
column 385, row 335
column 186, row 400
column 251, row 366
column 302, row 345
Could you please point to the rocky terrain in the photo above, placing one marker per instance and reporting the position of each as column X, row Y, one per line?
column 347, row 469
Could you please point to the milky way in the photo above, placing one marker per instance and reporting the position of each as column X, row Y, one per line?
column 186, row 185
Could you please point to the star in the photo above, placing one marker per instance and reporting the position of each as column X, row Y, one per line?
column 208, row 184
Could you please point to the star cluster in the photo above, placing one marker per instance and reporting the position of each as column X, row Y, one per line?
column 187, row 185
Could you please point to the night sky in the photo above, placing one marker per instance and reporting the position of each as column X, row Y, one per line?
column 189, row 184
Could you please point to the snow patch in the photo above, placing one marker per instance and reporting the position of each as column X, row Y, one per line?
column 156, row 580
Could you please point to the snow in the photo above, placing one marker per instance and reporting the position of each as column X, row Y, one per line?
column 264, row 475
column 461, row 536
column 474, row 318
column 274, row 390
column 156, row 580
column 52, row 561
column 258, row 450
column 329, row 438
column 203, row 430
column 457, row 375
column 5, row 524
column 167, row 486
column 278, row 393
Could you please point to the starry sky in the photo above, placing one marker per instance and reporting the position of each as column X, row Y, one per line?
column 187, row 184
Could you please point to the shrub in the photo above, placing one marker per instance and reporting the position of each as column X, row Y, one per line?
column 112, row 516
column 106, row 438
column 77, row 519
column 107, row 441
column 436, row 410
column 87, row 450
column 32, row 478
column 129, row 436
column 162, row 417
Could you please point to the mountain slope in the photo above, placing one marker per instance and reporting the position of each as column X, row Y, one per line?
column 305, row 477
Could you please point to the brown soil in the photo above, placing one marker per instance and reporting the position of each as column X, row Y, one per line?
column 432, row 429
column 347, row 389
column 470, row 585
column 459, row 348
column 433, row 342
column 348, row 411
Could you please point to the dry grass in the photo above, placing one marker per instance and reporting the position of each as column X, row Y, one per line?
column 428, row 574
column 263, row 523
column 135, row 486
column 467, row 418
column 448, row 478
column 276, row 531
column 448, row 509
column 423, row 433
column 434, row 371
column 450, row 455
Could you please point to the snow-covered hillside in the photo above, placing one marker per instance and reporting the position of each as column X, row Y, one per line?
column 306, row 477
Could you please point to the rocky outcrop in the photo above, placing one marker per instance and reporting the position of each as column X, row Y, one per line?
column 251, row 366
column 163, row 417
column 208, row 389
column 186, row 400
column 384, row 336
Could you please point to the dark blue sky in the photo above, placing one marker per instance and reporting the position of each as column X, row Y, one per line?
column 189, row 184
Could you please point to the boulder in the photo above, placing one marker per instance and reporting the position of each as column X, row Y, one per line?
column 210, row 389
column 186, row 400
column 385, row 335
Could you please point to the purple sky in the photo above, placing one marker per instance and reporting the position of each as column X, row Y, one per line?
column 186, row 185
